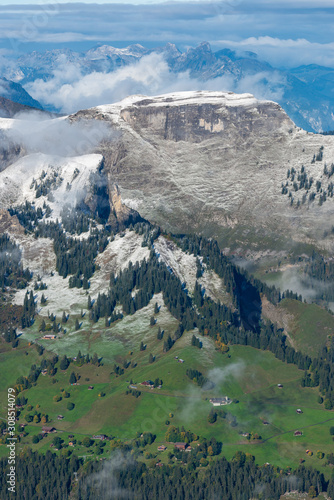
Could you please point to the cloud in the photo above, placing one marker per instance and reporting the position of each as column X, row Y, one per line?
column 70, row 90
column 104, row 483
column 217, row 376
column 220, row 375
column 286, row 52
column 37, row 133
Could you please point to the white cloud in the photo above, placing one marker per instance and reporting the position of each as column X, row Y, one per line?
column 69, row 90
column 36, row 133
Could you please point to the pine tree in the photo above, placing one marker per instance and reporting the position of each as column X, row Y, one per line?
column 95, row 359
column 64, row 363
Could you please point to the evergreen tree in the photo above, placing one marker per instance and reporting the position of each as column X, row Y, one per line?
column 64, row 363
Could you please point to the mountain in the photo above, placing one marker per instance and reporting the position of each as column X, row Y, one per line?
column 217, row 163
column 220, row 163
column 8, row 108
column 126, row 333
column 16, row 93
column 305, row 93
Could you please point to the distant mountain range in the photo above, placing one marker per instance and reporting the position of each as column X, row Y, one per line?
column 306, row 93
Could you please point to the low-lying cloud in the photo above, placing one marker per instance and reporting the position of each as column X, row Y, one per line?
column 37, row 133
column 104, row 483
column 70, row 90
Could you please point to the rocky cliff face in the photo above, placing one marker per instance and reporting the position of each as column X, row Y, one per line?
column 120, row 214
column 215, row 162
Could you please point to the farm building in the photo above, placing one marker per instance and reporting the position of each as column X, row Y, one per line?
column 148, row 383
column 220, row 401
column 299, row 411
column 298, row 433
column 162, row 448
column 180, row 446
column 60, row 417
column 47, row 429
column 101, row 437
column 49, row 337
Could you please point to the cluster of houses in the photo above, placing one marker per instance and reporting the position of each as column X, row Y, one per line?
column 221, row 401
column 146, row 383
column 178, row 446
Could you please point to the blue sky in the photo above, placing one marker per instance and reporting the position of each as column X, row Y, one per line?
column 286, row 33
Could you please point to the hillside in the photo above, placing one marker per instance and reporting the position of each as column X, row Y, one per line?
column 16, row 93
column 8, row 108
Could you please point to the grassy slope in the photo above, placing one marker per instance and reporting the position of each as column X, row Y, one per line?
column 248, row 375
column 311, row 325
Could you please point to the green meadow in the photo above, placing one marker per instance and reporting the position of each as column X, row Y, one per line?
column 249, row 377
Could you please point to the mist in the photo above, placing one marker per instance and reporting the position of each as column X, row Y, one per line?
column 218, row 376
column 104, row 483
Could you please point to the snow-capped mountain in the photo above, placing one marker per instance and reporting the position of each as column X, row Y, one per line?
column 223, row 164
